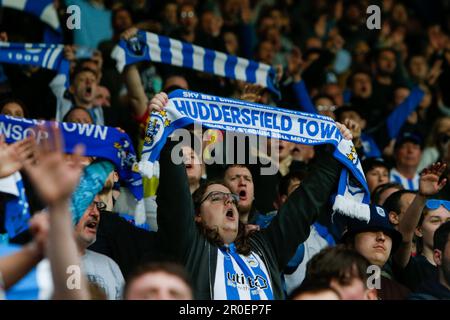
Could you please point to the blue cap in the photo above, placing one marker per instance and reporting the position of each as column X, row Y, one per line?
column 379, row 221
column 408, row 137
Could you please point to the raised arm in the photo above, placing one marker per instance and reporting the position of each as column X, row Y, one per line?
column 295, row 67
column 136, row 93
column 398, row 117
column 55, row 180
column 176, row 225
column 16, row 265
column 291, row 226
column 429, row 185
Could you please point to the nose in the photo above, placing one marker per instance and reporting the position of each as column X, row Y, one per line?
column 228, row 199
column 381, row 236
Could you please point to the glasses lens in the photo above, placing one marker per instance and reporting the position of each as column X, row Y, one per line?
column 100, row 205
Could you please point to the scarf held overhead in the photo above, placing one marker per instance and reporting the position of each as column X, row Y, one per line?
column 147, row 46
column 99, row 141
column 187, row 107
column 48, row 56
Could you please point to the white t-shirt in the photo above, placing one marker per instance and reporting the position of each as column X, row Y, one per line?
column 104, row 272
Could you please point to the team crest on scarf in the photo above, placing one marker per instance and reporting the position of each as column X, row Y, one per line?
column 157, row 121
column 353, row 156
column 126, row 158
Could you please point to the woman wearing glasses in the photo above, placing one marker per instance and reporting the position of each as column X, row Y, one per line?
column 204, row 233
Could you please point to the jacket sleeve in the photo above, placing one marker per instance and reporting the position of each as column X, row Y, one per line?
column 177, row 231
column 292, row 224
column 303, row 98
column 397, row 118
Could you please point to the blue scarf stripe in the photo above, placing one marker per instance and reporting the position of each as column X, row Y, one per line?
column 174, row 52
column 188, row 57
column 166, row 55
column 232, row 291
column 230, row 64
column 99, row 141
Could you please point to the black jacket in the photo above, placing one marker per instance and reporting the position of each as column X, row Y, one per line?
column 274, row 245
column 431, row 290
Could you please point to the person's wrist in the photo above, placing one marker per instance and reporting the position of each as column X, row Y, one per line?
column 34, row 251
column 421, row 194
column 59, row 204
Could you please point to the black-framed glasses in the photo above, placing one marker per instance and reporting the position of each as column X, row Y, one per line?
column 100, row 205
column 433, row 204
column 217, row 196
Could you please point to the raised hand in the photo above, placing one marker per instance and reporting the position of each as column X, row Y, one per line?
column 129, row 33
column 158, row 102
column 429, row 183
column 345, row 132
column 53, row 177
column 13, row 156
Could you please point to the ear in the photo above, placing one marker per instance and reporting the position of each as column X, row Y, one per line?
column 418, row 232
column 115, row 176
column 393, row 218
column 437, row 257
column 363, row 123
column 198, row 218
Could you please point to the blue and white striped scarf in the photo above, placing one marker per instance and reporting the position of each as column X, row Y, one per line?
column 42, row 9
column 48, row 56
column 187, row 107
column 147, row 46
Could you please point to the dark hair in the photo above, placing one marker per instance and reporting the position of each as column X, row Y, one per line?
column 354, row 73
column 323, row 95
column 384, row 49
column 371, row 163
column 313, row 287
column 6, row 101
column 340, row 263
column 115, row 12
column 242, row 241
column 237, row 165
column 285, row 181
column 347, row 108
column 440, row 237
column 393, row 203
column 376, row 194
column 80, row 68
column 66, row 116
column 171, row 268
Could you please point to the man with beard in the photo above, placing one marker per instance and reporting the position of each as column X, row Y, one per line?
column 438, row 288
